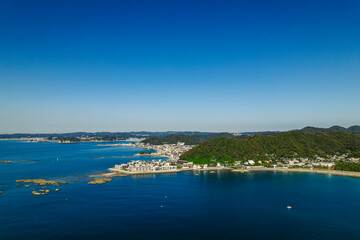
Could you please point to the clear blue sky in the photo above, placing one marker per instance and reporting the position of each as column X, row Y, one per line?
column 178, row 65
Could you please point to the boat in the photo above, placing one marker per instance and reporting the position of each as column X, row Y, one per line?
column 289, row 207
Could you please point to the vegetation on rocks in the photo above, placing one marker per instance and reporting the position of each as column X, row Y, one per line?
column 41, row 182
column 100, row 180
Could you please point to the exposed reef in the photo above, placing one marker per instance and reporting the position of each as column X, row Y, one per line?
column 5, row 161
column 100, row 180
column 41, row 182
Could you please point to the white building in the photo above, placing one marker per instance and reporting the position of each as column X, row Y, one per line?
column 251, row 162
column 327, row 164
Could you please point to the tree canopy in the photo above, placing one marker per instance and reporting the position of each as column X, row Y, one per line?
column 286, row 144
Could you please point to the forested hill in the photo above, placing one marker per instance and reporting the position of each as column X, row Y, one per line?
column 187, row 139
column 286, row 144
column 352, row 129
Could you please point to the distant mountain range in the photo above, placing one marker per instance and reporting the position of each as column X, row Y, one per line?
column 352, row 129
column 199, row 136
column 187, row 139
column 92, row 134
column 196, row 138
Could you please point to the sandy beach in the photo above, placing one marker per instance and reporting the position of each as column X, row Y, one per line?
column 304, row 170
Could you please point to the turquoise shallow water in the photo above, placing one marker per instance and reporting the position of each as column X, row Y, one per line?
column 224, row 205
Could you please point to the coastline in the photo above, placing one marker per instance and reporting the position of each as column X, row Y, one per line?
column 304, row 170
column 169, row 171
column 170, row 151
column 39, row 140
column 301, row 170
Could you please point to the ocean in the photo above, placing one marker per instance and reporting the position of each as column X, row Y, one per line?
column 221, row 205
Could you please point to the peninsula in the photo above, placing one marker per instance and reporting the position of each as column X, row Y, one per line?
column 300, row 151
column 171, row 151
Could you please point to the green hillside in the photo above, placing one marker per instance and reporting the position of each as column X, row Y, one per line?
column 286, row 144
column 354, row 129
column 187, row 139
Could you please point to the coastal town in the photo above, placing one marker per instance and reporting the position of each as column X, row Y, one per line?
column 160, row 166
column 298, row 162
column 174, row 164
column 84, row 138
column 170, row 151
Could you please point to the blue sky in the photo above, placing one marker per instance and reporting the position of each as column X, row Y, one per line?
column 178, row 65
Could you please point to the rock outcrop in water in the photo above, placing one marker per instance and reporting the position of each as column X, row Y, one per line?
column 40, row 192
column 41, row 182
column 36, row 193
column 100, row 180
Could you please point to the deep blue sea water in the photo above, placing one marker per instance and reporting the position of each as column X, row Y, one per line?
column 183, row 205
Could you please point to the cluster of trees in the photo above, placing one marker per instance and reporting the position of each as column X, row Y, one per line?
column 347, row 166
column 287, row 144
column 355, row 154
column 146, row 152
column 187, row 139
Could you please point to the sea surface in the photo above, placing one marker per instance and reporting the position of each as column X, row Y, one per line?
column 222, row 205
